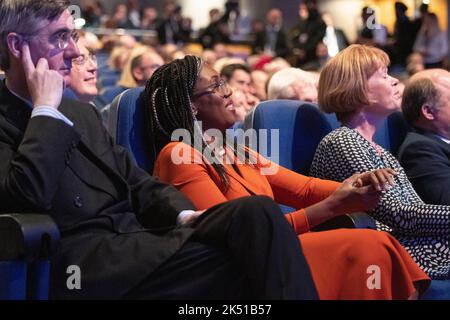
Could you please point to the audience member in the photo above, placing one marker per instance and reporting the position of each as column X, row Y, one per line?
column 335, row 39
column 425, row 153
column 356, row 86
column 432, row 42
column 238, row 76
column 120, row 19
column 83, row 75
column 293, row 84
column 309, row 31
column 404, row 34
column 216, row 32
column 149, row 19
column 272, row 40
column 259, row 83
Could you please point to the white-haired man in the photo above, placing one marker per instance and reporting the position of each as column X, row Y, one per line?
column 293, row 84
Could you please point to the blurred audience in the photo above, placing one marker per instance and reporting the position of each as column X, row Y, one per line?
column 259, row 82
column 335, row 39
column 308, row 32
column 372, row 32
column 272, row 40
column 432, row 42
column 293, row 84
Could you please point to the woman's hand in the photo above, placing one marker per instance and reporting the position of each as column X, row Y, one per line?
column 361, row 192
column 380, row 179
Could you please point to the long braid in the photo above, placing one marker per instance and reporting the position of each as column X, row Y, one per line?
column 168, row 106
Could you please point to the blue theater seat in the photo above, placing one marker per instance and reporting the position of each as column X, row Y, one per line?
column 107, row 81
column 107, row 95
column 126, row 123
column 301, row 127
column 26, row 243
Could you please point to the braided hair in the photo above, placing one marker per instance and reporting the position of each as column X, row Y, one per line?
column 168, row 106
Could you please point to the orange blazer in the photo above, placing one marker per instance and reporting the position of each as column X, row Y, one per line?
column 198, row 180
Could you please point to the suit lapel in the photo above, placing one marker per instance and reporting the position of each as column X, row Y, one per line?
column 87, row 162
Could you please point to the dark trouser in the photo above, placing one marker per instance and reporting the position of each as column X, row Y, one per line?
column 259, row 257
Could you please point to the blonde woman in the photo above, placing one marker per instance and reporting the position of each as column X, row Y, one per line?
column 356, row 86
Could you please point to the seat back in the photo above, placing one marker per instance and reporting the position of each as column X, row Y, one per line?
column 107, row 95
column 301, row 126
column 108, row 81
column 26, row 243
column 126, row 123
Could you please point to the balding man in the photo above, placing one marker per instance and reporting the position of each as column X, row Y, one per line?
column 425, row 154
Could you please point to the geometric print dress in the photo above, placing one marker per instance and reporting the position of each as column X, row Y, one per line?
column 422, row 229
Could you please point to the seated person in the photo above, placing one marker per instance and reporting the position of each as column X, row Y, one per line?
column 209, row 173
column 127, row 232
column 136, row 68
column 83, row 75
column 259, row 81
column 425, row 154
column 293, row 84
column 143, row 66
column 356, row 86
column 238, row 76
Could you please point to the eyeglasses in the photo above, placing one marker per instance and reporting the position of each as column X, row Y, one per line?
column 60, row 40
column 220, row 88
column 81, row 60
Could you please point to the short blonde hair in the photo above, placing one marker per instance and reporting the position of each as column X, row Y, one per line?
column 343, row 80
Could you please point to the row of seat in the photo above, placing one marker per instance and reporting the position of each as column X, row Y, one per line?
column 27, row 241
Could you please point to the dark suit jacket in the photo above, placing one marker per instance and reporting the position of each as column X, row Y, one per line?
column 281, row 44
column 426, row 160
column 99, row 199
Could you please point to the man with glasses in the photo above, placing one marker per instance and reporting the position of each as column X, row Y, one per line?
column 130, row 235
column 83, row 76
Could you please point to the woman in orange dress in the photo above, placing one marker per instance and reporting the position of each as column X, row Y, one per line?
column 345, row 263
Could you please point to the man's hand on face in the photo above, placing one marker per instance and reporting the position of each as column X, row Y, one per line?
column 44, row 85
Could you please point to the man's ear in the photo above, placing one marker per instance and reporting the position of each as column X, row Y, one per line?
column 14, row 43
column 427, row 112
column 137, row 74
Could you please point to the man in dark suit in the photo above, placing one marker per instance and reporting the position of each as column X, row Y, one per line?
column 273, row 39
column 130, row 235
column 425, row 154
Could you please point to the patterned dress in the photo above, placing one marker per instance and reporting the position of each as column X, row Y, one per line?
column 423, row 229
